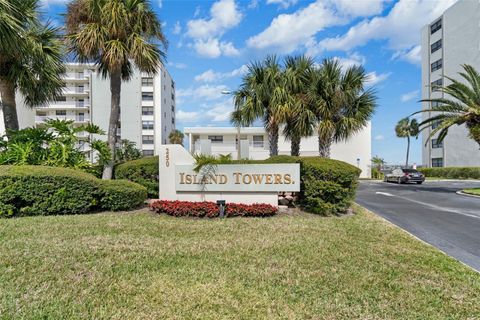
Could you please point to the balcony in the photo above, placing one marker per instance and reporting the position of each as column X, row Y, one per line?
column 66, row 105
column 256, row 150
column 76, row 91
column 76, row 119
column 77, row 77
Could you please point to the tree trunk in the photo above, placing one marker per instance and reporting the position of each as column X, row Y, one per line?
column 273, row 140
column 9, row 107
column 295, row 146
column 408, row 150
column 324, row 145
column 115, row 88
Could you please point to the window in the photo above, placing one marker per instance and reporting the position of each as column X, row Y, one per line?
column 437, row 162
column 436, row 84
column 147, row 82
column 80, row 89
column 173, row 96
column 165, row 128
column 164, row 114
column 147, row 125
column 147, row 96
column 62, row 99
column 147, row 111
column 215, row 139
column 436, row 46
column 61, row 112
column 437, row 144
column 258, row 141
column 436, row 65
column 434, row 27
column 164, row 87
column 147, row 153
column 173, row 120
column 173, row 108
column 173, row 85
column 165, row 100
column 147, row 139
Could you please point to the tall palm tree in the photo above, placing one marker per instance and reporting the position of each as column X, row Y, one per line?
column 407, row 128
column 343, row 105
column 176, row 137
column 260, row 97
column 462, row 108
column 34, row 66
column 300, row 120
column 117, row 35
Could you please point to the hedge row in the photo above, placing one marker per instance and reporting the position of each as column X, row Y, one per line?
column 327, row 186
column 452, row 172
column 38, row 190
column 207, row 209
column 142, row 171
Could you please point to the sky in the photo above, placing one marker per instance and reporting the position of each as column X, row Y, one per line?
column 212, row 42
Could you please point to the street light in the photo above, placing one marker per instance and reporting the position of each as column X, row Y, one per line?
column 238, row 129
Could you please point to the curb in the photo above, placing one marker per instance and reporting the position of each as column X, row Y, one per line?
column 460, row 192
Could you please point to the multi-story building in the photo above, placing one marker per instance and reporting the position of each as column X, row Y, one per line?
column 254, row 145
column 448, row 42
column 147, row 105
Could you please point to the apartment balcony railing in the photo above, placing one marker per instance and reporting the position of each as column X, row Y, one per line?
column 256, row 150
column 77, row 119
column 77, row 91
column 67, row 105
column 77, row 77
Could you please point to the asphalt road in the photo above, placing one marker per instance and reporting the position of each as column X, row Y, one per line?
column 432, row 211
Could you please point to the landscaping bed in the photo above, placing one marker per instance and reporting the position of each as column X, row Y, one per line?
column 142, row 265
column 475, row 191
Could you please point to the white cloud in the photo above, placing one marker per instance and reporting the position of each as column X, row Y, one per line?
column 409, row 95
column 224, row 15
column 379, row 137
column 206, row 33
column 220, row 112
column 203, row 92
column 351, row 60
column 374, row 78
column 400, row 27
column 177, row 28
column 253, row 4
column 160, row 3
column 177, row 65
column 413, row 55
column 287, row 32
column 212, row 76
column 186, row 115
column 283, row 3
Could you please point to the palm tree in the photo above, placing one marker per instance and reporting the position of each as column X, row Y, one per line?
column 300, row 120
column 34, row 66
column 407, row 128
column 343, row 105
column 259, row 97
column 117, row 35
column 176, row 137
column 464, row 108
column 377, row 163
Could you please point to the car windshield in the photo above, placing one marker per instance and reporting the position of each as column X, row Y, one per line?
column 409, row 170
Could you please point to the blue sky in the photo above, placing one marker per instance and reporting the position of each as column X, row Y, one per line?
column 211, row 42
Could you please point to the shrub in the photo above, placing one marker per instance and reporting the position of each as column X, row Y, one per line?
column 142, row 171
column 452, row 172
column 38, row 190
column 207, row 209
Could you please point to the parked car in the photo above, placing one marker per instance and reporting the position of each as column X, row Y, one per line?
column 404, row 176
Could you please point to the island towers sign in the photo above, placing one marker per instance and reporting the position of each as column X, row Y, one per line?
column 239, row 183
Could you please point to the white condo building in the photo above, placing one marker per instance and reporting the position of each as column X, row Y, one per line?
column 254, row 145
column 147, row 105
column 448, row 42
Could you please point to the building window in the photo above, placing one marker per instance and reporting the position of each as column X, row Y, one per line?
column 62, row 99
column 147, row 96
column 80, row 89
column 258, row 141
column 165, row 128
column 164, row 87
column 437, row 144
column 173, row 120
column 436, row 65
column 216, row 139
column 173, row 85
column 165, row 100
column 437, row 162
column 434, row 27
column 147, row 111
column 436, row 46
column 147, row 125
column 147, row 153
column 147, row 139
column 173, row 108
column 173, row 96
column 436, row 84
column 164, row 114
column 61, row 112
column 147, row 82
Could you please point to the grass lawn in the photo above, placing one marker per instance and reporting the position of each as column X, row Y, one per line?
column 475, row 191
column 145, row 266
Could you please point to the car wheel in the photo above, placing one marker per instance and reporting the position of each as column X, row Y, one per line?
column 419, row 182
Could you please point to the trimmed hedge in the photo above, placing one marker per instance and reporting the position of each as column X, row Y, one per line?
column 327, row 186
column 142, row 171
column 208, row 209
column 452, row 172
column 38, row 190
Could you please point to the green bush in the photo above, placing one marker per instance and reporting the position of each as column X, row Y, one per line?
column 452, row 172
column 142, row 171
column 38, row 190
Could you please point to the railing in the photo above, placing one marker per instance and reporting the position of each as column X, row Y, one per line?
column 74, row 118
